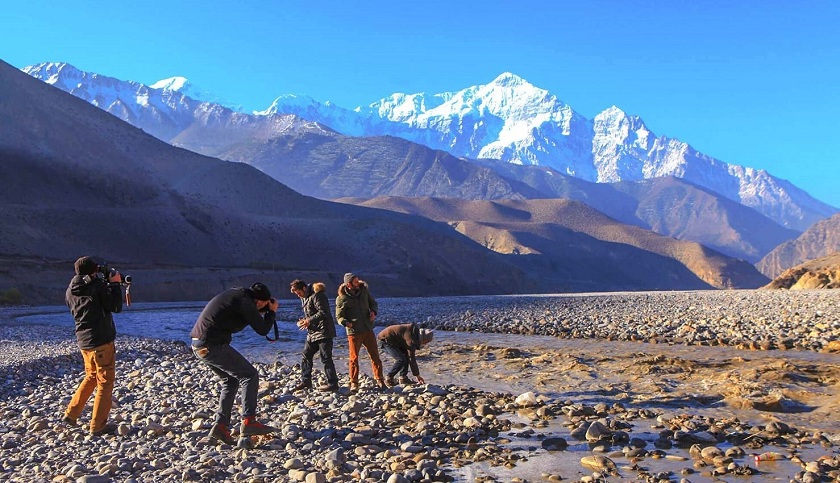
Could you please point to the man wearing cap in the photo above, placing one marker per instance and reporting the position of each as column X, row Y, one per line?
column 227, row 313
column 355, row 310
column 401, row 342
column 91, row 300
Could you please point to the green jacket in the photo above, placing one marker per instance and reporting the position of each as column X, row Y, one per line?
column 353, row 309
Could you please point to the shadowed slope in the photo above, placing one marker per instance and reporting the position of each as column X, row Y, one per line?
column 80, row 181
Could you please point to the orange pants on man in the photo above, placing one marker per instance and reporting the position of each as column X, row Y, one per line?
column 100, row 374
column 368, row 341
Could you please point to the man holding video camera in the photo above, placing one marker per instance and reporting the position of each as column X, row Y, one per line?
column 92, row 299
column 227, row 313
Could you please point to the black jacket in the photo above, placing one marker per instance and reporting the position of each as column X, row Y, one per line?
column 316, row 309
column 230, row 312
column 91, row 301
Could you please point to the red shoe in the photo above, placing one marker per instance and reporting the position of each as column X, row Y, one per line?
column 251, row 427
column 220, row 432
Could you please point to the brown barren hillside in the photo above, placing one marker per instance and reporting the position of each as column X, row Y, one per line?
column 813, row 274
column 565, row 231
column 820, row 240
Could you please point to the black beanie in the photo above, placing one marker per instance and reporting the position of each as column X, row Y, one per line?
column 260, row 292
column 85, row 266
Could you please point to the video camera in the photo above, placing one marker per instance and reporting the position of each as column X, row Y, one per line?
column 108, row 272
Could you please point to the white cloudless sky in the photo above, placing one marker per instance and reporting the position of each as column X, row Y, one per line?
column 753, row 83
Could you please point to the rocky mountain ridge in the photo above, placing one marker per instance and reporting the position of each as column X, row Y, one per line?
column 513, row 121
column 508, row 120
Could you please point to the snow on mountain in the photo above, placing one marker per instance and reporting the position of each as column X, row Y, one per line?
column 162, row 112
column 184, row 86
column 172, row 83
column 166, row 109
column 511, row 120
column 507, row 119
column 342, row 120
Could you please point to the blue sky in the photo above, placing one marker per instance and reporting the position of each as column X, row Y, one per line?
column 753, row 83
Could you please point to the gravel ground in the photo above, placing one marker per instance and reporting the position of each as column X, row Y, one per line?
column 164, row 404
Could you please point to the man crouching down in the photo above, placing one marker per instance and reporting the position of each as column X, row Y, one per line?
column 227, row 313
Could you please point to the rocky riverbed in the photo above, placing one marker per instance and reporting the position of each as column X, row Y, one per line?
column 583, row 405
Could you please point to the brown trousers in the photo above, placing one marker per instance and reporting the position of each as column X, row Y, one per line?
column 100, row 375
column 368, row 340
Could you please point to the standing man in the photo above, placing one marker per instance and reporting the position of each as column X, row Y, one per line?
column 318, row 321
column 401, row 342
column 355, row 310
column 227, row 313
column 91, row 300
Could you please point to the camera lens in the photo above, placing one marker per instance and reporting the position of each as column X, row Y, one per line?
column 127, row 279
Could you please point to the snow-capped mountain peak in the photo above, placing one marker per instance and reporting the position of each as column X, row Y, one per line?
column 54, row 72
column 286, row 103
column 509, row 79
column 173, row 84
column 181, row 85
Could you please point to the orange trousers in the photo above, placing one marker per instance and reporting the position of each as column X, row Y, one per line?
column 100, row 375
column 368, row 340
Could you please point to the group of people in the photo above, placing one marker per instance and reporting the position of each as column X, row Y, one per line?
column 92, row 299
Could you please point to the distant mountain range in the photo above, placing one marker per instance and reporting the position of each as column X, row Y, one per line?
column 80, row 181
column 513, row 121
column 508, row 120
column 329, row 165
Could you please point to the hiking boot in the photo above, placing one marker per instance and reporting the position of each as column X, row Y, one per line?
column 69, row 421
column 328, row 388
column 251, row 427
column 406, row 381
column 380, row 386
column 109, row 428
column 354, row 387
column 390, row 381
column 302, row 386
column 220, row 432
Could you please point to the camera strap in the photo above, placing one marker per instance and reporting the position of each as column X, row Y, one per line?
column 276, row 334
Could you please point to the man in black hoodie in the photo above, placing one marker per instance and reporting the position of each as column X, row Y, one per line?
column 227, row 313
column 92, row 299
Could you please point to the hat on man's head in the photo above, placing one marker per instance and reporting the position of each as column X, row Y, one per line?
column 426, row 336
column 260, row 292
column 85, row 266
column 349, row 276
